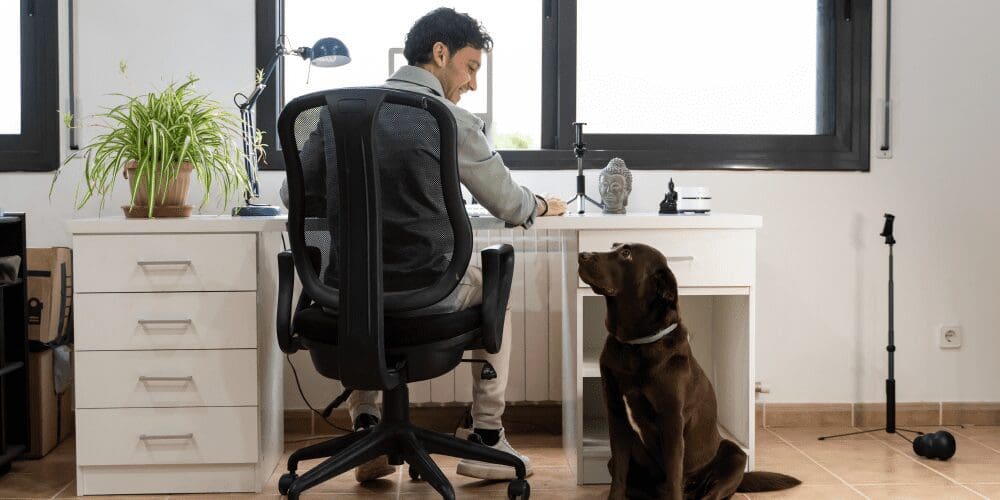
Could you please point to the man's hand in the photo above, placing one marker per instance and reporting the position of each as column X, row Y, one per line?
column 546, row 204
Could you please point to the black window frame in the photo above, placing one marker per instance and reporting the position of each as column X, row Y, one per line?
column 36, row 148
column 846, row 148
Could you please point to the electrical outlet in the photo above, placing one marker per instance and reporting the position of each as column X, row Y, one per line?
column 950, row 337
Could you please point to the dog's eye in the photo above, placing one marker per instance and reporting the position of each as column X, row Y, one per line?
column 626, row 253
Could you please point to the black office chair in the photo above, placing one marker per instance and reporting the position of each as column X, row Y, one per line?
column 396, row 238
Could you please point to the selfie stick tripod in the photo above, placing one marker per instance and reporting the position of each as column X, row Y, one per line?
column 580, row 149
column 890, row 383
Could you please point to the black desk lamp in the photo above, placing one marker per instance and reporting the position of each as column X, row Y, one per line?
column 325, row 53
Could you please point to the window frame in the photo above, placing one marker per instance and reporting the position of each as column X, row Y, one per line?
column 847, row 148
column 36, row 148
column 270, row 20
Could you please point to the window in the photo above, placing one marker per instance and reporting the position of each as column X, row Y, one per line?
column 29, row 94
column 714, row 84
column 504, row 99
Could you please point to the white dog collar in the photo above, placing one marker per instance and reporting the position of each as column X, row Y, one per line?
column 652, row 338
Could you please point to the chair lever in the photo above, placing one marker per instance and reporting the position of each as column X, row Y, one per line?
column 488, row 373
column 336, row 402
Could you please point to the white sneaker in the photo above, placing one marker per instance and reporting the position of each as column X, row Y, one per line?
column 483, row 470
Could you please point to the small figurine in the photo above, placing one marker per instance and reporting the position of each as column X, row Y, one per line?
column 669, row 203
column 615, row 183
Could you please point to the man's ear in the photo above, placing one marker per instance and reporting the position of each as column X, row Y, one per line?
column 440, row 54
column 664, row 285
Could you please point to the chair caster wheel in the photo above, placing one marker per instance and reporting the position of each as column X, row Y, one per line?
column 414, row 474
column 518, row 489
column 286, row 482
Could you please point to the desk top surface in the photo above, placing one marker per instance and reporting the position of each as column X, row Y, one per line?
column 601, row 221
column 588, row 221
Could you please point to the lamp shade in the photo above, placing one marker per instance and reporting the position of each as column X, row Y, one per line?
column 329, row 52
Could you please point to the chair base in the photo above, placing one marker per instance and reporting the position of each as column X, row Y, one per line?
column 396, row 438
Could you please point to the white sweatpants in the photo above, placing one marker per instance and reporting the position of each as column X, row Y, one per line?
column 487, row 395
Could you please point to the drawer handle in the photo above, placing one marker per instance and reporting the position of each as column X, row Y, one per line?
column 143, row 378
column 164, row 263
column 150, row 437
column 144, row 322
column 680, row 258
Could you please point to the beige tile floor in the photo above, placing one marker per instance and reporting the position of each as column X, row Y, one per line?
column 872, row 466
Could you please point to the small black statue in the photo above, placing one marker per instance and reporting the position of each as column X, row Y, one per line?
column 669, row 203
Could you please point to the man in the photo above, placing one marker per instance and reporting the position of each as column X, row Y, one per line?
column 444, row 52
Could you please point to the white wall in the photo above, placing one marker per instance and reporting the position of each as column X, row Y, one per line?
column 822, row 301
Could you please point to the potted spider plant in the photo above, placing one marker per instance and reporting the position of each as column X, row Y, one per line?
column 158, row 141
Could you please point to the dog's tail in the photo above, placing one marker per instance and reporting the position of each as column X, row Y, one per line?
column 766, row 481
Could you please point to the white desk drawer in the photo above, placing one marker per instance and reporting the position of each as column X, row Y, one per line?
column 165, row 262
column 114, row 379
column 137, row 321
column 697, row 257
column 141, row 436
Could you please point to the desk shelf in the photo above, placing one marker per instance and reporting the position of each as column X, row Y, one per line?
column 14, row 435
column 716, row 301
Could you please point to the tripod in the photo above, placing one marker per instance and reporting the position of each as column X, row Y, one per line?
column 890, row 383
column 580, row 149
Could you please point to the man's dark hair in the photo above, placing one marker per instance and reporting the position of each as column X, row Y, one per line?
column 444, row 25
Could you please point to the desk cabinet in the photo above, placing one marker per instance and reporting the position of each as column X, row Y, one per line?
column 177, row 368
column 714, row 260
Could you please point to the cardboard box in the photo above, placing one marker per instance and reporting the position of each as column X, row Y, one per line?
column 50, row 301
column 51, row 414
column 50, row 292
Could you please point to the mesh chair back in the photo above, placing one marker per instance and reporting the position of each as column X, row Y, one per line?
column 379, row 168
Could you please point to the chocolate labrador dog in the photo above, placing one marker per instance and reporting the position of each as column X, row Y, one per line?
column 665, row 441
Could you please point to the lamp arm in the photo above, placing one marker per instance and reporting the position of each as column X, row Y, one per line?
column 251, row 100
column 247, row 124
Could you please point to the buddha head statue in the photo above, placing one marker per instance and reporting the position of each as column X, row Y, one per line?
column 615, row 185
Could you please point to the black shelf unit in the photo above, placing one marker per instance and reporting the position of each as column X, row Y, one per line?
column 14, row 423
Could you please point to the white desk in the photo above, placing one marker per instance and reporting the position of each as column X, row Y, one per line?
column 178, row 372
column 715, row 264
column 714, row 260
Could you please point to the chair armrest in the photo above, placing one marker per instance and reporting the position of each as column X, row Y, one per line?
column 315, row 260
column 498, row 272
column 286, row 287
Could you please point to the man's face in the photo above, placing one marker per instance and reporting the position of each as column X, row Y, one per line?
column 456, row 72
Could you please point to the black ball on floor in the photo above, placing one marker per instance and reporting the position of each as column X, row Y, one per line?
column 939, row 445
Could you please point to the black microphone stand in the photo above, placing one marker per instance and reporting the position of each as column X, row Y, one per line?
column 580, row 149
column 890, row 383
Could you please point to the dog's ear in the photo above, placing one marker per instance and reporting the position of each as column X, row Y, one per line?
column 665, row 284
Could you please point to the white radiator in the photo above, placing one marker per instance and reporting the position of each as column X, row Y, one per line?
column 536, row 356
column 535, row 312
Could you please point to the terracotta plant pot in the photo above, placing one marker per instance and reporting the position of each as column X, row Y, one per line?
column 168, row 200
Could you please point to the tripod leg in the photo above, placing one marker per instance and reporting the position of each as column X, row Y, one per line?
column 822, row 438
column 600, row 204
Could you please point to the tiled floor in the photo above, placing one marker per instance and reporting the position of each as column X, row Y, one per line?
column 873, row 466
